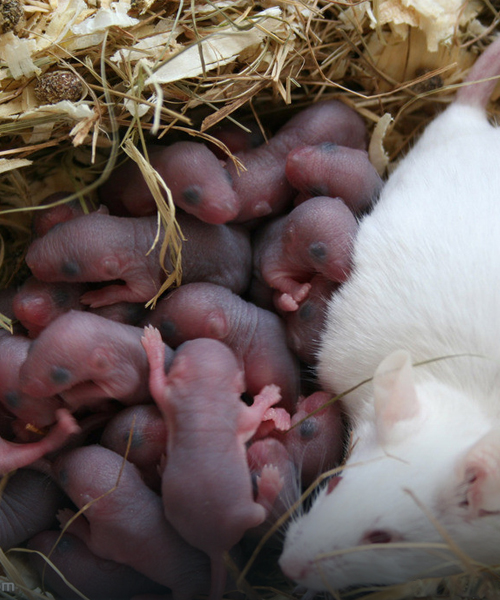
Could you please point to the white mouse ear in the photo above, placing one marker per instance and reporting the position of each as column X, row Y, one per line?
column 394, row 393
column 482, row 476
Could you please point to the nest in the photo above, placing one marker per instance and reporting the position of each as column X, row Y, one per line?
column 86, row 83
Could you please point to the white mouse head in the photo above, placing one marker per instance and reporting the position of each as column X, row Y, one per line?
column 420, row 474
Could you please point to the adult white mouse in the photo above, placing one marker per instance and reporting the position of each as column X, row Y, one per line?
column 425, row 464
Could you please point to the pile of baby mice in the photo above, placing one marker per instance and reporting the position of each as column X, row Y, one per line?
column 183, row 429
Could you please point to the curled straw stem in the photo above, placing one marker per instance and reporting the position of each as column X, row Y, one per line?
column 172, row 240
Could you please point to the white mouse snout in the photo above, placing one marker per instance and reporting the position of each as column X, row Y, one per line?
column 299, row 568
column 293, row 566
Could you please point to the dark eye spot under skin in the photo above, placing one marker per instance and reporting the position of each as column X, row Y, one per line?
column 329, row 147
column 308, row 429
column 60, row 375
column 318, row 190
column 60, row 297
column 306, row 311
column 65, row 545
column 63, row 477
column 12, row 399
column 318, row 251
column 167, row 329
column 70, row 268
column 229, row 177
column 137, row 439
column 134, row 313
column 192, row 195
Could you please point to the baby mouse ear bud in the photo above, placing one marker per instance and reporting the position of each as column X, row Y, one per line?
column 394, row 394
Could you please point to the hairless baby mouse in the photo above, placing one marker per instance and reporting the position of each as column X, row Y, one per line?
column 206, row 484
column 425, row 464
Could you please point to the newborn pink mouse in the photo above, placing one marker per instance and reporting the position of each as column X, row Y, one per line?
column 145, row 427
column 256, row 336
column 38, row 303
column 263, row 188
column 91, row 575
column 196, row 178
column 127, row 524
column 102, row 248
column 316, row 237
column 87, row 359
column 208, row 427
column 38, row 409
column 338, row 171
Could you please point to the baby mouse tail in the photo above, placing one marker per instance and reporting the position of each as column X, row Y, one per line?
column 218, row 577
column 486, row 67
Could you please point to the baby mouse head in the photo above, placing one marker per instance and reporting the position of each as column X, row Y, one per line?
column 421, row 487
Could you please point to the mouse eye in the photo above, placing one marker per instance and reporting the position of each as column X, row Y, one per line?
column 377, row 536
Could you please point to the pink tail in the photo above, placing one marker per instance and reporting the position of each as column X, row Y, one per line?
column 486, row 67
column 218, row 578
column 15, row 456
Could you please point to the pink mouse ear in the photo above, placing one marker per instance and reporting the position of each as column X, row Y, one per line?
column 394, row 394
column 481, row 470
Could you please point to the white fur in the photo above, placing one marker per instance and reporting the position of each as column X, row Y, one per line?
column 426, row 279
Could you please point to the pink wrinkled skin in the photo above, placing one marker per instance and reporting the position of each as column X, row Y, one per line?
column 44, row 220
column 336, row 171
column 263, row 188
column 145, row 427
column 317, row 444
column 206, row 471
column 100, row 248
column 270, row 453
column 29, row 503
column 87, row 359
column 256, row 336
column 127, row 525
column 304, row 325
column 38, row 303
column 197, row 180
column 316, row 237
column 38, row 409
column 15, row 456
column 91, row 575
column 203, row 433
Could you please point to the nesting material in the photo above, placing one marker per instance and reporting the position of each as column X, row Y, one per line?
column 79, row 78
column 85, row 83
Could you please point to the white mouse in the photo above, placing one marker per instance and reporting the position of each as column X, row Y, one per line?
column 421, row 487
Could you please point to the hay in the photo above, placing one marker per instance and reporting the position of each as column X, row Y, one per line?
column 70, row 69
column 85, row 83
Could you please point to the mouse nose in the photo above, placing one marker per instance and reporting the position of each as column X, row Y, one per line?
column 294, row 567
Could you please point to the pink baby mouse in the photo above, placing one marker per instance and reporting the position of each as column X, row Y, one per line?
column 125, row 523
column 316, row 237
column 87, row 359
column 38, row 303
column 263, row 189
column 102, row 248
column 328, row 169
column 208, row 427
column 256, row 336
